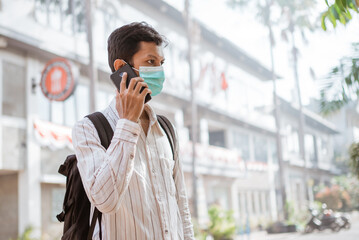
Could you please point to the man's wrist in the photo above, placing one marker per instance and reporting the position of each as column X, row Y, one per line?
column 131, row 119
column 127, row 130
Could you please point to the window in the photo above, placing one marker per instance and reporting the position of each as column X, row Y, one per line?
column 292, row 139
column 240, row 210
column 309, row 147
column 241, row 143
column 82, row 101
column 58, row 15
column 261, row 208
column 13, row 147
column 14, row 90
column 63, row 113
column 110, row 16
column 43, row 106
column 57, row 198
column 323, row 146
column 70, row 111
column 273, row 150
column 260, row 149
column 217, row 138
column 103, row 99
column 253, row 203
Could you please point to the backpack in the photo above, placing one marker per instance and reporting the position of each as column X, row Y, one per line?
column 76, row 205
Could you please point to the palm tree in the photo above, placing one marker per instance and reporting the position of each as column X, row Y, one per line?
column 294, row 17
column 264, row 14
column 341, row 86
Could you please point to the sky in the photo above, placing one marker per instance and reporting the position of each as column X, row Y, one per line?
column 321, row 53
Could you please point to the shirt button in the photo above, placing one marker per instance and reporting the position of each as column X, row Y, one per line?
column 166, row 231
column 153, row 170
column 131, row 156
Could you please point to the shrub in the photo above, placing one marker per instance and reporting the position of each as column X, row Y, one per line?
column 222, row 223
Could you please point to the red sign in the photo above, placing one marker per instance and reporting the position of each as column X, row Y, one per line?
column 57, row 82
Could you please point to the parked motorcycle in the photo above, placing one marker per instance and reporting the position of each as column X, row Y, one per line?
column 327, row 220
column 346, row 223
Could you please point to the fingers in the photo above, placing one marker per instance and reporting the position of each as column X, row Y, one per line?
column 133, row 82
column 145, row 92
column 139, row 86
column 123, row 82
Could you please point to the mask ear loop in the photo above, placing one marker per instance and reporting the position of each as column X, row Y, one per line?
column 135, row 68
column 131, row 66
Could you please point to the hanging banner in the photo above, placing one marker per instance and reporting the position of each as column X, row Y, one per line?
column 57, row 81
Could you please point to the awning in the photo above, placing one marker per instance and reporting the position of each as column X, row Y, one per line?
column 52, row 135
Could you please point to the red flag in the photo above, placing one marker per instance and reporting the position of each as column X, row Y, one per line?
column 224, row 83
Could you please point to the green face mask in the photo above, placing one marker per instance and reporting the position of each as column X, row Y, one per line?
column 154, row 77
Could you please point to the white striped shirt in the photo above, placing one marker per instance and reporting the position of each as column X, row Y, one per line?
column 136, row 184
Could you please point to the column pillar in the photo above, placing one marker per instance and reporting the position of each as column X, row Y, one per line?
column 202, row 202
column 272, row 170
column 235, row 201
column 30, row 178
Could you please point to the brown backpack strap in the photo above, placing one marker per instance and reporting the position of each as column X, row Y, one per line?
column 170, row 132
column 96, row 215
column 105, row 133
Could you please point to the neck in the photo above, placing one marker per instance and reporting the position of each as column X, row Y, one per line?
column 144, row 115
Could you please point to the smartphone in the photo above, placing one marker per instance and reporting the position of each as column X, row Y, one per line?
column 116, row 78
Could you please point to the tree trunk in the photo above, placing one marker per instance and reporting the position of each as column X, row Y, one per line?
column 277, row 120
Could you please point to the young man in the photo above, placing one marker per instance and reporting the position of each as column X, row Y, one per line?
column 135, row 183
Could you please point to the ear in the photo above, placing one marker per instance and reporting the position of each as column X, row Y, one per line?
column 118, row 63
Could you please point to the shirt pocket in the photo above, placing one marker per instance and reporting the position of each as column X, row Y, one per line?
column 168, row 175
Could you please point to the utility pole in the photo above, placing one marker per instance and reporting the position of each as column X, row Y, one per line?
column 91, row 67
column 193, row 108
column 277, row 117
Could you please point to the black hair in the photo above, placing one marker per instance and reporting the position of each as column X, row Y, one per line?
column 123, row 43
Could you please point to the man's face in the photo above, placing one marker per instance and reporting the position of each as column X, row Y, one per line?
column 149, row 54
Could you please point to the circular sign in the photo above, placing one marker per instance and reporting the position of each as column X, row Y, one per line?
column 57, row 82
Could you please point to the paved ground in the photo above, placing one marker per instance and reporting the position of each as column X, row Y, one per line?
column 351, row 234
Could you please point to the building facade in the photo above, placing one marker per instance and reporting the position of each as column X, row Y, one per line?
column 302, row 176
column 236, row 152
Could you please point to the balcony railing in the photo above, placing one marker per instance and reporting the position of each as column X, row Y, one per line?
column 214, row 160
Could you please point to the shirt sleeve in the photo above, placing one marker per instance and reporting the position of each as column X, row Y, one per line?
column 105, row 173
column 181, row 197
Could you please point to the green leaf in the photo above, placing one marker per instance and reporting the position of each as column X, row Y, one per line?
column 336, row 11
column 332, row 16
column 340, row 5
column 323, row 17
column 353, row 5
column 347, row 15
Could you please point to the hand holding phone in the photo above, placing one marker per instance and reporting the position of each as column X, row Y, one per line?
column 130, row 101
column 116, row 78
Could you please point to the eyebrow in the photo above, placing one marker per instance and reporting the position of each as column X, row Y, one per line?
column 153, row 56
